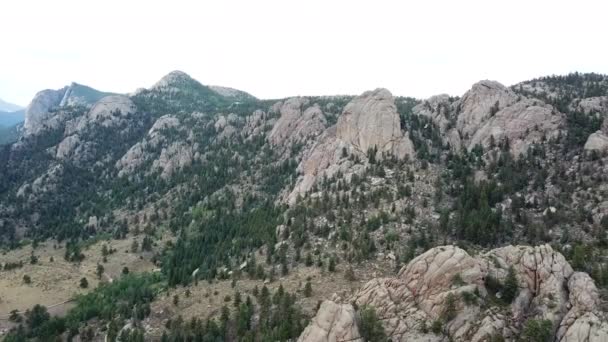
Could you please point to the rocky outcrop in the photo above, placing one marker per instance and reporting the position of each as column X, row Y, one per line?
column 226, row 126
column 584, row 321
column 368, row 121
column 523, row 123
column 371, row 121
column 174, row 157
column 594, row 105
column 481, row 102
column 111, row 111
column 441, row 110
column 42, row 113
column 598, row 141
column 39, row 110
column 418, row 296
column 170, row 83
column 333, row 323
column 296, row 123
column 489, row 113
column 108, row 111
column 165, row 155
column 254, row 124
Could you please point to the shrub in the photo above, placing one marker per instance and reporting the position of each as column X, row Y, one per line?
column 370, row 327
column 537, row 330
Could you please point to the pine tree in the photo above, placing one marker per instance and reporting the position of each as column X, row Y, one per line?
column 308, row 289
column 511, row 287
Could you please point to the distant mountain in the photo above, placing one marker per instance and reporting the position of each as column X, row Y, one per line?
column 38, row 111
column 233, row 94
column 11, row 118
column 9, row 107
column 79, row 94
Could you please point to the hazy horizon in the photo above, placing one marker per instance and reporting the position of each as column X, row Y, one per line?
column 275, row 49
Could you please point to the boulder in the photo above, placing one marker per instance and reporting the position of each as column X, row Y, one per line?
column 371, row 121
column 332, row 323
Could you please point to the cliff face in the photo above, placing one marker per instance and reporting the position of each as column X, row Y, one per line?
column 369, row 121
column 44, row 110
column 38, row 111
column 548, row 289
column 490, row 112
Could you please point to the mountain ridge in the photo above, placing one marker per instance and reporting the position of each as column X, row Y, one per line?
column 368, row 185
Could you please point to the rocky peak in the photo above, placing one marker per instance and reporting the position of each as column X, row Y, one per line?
column 368, row 121
column 490, row 112
column 172, row 81
column 371, row 121
column 38, row 111
column 297, row 122
column 483, row 100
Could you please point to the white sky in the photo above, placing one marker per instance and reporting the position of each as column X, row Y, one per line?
column 285, row 48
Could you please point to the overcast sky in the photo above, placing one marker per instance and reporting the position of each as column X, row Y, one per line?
column 284, row 48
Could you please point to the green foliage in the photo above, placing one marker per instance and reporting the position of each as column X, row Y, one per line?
column 39, row 326
column 222, row 235
column 370, row 327
column 537, row 330
column 511, row 287
column 117, row 298
column 308, row 289
column 436, row 327
column 449, row 310
column 279, row 320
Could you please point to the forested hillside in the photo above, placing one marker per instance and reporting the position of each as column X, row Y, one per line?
column 214, row 186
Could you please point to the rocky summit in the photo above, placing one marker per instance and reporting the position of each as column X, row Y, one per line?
column 191, row 212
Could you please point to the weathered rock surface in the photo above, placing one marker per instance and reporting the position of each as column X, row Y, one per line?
column 490, row 112
column 371, row 121
column 39, row 110
column 254, row 124
column 594, row 105
column 333, row 323
column 584, row 321
column 481, row 102
column 296, row 122
column 598, row 141
column 523, row 123
column 368, row 121
column 548, row 289
column 170, row 82
column 42, row 112
column 110, row 111
column 165, row 155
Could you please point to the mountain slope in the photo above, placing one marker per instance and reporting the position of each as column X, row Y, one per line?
column 218, row 180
